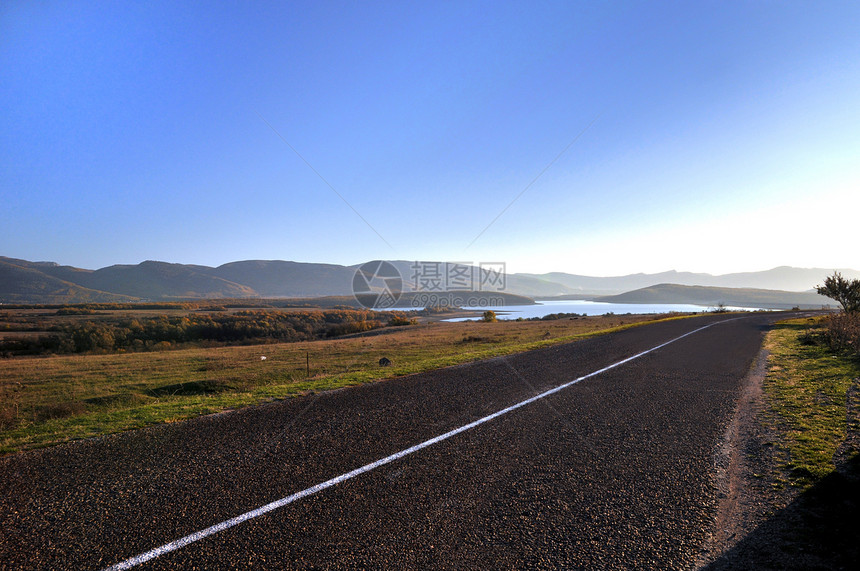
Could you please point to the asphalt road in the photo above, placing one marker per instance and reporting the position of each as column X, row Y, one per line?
column 616, row 470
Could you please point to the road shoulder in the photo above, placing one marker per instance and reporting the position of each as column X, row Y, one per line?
column 766, row 517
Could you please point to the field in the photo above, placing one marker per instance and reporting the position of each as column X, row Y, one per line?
column 52, row 399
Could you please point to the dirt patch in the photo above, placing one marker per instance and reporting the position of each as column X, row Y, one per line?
column 192, row 388
column 59, row 410
column 740, row 462
column 118, row 399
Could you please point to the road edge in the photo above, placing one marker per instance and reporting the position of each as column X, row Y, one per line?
column 734, row 513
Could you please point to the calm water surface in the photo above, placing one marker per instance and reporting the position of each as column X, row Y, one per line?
column 581, row 307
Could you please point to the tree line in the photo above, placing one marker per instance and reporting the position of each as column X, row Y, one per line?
column 168, row 331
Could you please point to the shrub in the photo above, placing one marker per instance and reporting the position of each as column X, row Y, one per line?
column 843, row 332
column 350, row 327
column 846, row 292
column 76, row 311
column 398, row 320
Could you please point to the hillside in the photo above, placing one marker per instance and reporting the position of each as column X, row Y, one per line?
column 160, row 280
column 21, row 284
column 275, row 278
column 22, row 281
column 516, row 284
column 780, row 278
column 713, row 296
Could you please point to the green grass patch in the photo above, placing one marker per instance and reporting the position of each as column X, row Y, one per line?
column 806, row 391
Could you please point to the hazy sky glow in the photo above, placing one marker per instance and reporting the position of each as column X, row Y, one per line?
column 725, row 136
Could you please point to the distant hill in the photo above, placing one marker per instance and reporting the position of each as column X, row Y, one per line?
column 712, row 296
column 160, row 280
column 22, row 281
column 22, row 284
column 275, row 278
column 781, row 278
column 147, row 280
column 516, row 284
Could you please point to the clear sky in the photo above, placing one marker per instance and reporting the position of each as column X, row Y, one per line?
column 712, row 136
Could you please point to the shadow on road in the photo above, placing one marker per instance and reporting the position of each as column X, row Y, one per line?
column 819, row 530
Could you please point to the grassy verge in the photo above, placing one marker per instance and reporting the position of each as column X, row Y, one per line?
column 49, row 400
column 806, row 391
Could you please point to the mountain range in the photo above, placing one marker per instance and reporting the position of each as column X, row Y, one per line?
column 23, row 281
column 727, row 296
column 781, row 278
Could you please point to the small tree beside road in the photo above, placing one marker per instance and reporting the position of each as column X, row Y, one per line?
column 846, row 292
column 843, row 330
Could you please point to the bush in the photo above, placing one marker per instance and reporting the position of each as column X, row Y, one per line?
column 351, row 327
column 398, row 320
column 76, row 311
column 489, row 316
column 557, row 316
column 843, row 332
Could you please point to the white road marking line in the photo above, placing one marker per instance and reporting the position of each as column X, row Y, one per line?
column 198, row 535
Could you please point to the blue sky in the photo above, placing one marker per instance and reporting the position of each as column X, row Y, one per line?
column 712, row 136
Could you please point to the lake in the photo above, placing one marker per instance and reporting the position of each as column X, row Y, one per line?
column 543, row 308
